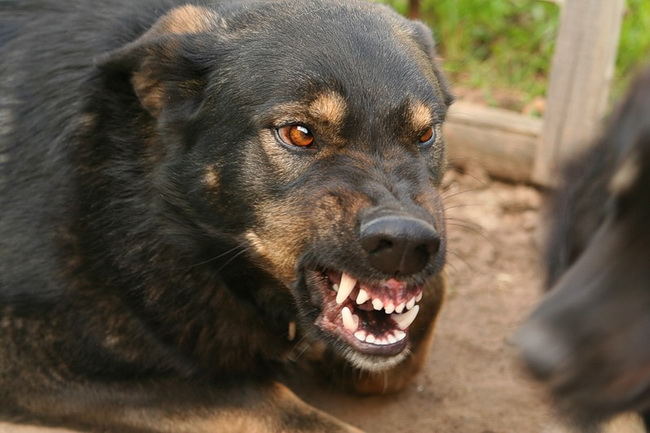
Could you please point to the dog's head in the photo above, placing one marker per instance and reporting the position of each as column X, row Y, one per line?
column 589, row 337
column 308, row 132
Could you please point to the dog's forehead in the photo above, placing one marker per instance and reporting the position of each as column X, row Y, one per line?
column 359, row 52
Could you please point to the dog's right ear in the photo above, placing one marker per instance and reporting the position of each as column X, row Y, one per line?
column 166, row 65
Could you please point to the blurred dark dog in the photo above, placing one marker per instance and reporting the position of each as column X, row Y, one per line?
column 190, row 189
column 589, row 339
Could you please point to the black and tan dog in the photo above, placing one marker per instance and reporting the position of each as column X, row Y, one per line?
column 589, row 340
column 190, row 189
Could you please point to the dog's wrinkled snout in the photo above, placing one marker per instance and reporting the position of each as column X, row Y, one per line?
column 399, row 245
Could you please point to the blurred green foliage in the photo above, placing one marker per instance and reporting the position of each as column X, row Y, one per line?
column 505, row 47
column 634, row 46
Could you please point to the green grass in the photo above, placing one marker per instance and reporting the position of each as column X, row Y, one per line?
column 503, row 48
column 634, row 46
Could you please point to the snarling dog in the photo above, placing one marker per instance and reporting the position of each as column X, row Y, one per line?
column 589, row 337
column 189, row 190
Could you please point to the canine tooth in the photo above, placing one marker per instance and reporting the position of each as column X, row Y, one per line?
column 377, row 304
column 410, row 303
column 400, row 308
column 418, row 298
column 349, row 319
column 362, row 297
column 405, row 320
column 389, row 307
column 292, row 331
column 399, row 335
column 370, row 338
column 345, row 288
column 360, row 335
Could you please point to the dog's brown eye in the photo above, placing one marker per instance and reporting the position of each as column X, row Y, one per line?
column 427, row 136
column 296, row 135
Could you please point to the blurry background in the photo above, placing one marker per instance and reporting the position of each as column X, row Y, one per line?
column 499, row 52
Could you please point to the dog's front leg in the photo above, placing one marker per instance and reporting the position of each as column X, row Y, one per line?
column 174, row 408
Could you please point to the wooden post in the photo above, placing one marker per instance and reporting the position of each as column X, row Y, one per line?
column 501, row 141
column 581, row 71
column 414, row 9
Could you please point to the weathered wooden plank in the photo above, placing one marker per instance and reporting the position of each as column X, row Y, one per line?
column 14, row 428
column 501, row 141
column 581, row 71
column 414, row 9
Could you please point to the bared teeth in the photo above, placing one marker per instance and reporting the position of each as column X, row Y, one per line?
column 362, row 297
column 405, row 320
column 384, row 340
column 403, row 314
column 350, row 321
column 345, row 288
column 410, row 303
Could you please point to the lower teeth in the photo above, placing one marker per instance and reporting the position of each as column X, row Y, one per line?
column 386, row 339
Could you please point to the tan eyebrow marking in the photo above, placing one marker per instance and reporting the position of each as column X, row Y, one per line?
column 188, row 19
column 328, row 107
column 421, row 116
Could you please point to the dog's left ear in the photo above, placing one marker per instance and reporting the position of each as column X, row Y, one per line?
column 424, row 38
column 166, row 66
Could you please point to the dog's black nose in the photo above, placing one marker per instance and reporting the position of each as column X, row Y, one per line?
column 399, row 244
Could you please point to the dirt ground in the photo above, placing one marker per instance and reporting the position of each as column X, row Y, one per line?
column 472, row 382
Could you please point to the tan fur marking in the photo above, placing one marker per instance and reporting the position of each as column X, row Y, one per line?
column 150, row 92
column 421, row 116
column 211, row 177
column 188, row 19
column 328, row 107
column 625, row 176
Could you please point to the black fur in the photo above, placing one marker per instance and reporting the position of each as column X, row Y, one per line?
column 134, row 174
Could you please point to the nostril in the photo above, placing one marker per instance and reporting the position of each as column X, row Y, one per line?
column 432, row 246
column 398, row 244
column 375, row 243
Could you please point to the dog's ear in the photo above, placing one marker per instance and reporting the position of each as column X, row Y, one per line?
column 424, row 39
column 166, row 66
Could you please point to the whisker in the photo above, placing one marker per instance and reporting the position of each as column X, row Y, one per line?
column 461, row 258
column 461, row 205
column 244, row 249
column 217, row 257
column 302, row 346
column 473, row 229
column 454, row 194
